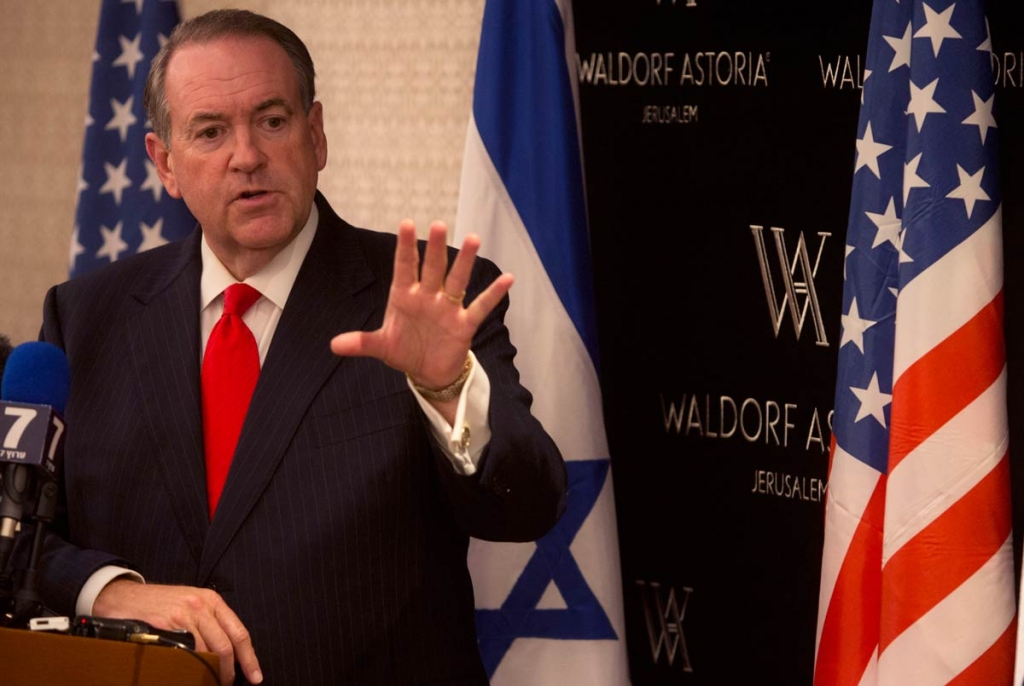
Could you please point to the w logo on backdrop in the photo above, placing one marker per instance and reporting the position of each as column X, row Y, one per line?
column 799, row 296
column 664, row 617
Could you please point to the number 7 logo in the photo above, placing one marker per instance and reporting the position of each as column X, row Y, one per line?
column 24, row 415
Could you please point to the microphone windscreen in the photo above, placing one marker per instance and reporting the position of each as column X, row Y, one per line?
column 37, row 373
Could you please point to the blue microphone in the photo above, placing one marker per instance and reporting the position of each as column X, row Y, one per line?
column 37, row 373
column 33, row 395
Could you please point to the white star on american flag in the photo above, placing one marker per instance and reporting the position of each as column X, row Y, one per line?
column 910, row 178
column 887, row 225
column 872, row 401
column 151, row 235
column 922, row 102
column 937, row 26
column 117, row 180
column 76, row 249
column 969, row 190
column 130, row 55
column 902, row 47
column 987, row 45
column 123, row 117
column 854, row 327
column 113, row 245
column 868, row 151
column 82, row 184
column 982, row 116
column 904, row 257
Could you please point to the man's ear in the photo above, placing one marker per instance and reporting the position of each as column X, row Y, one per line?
column 161, row 156
column 316, row 130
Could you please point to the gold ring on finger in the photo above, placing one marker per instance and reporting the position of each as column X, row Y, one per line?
column 454, row 299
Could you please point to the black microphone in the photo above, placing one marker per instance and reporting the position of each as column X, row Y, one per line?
column 33, row 395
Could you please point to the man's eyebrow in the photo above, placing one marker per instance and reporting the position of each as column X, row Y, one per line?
column 201, row 118
column 272, row 103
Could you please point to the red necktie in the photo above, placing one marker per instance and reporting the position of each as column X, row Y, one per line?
column 230, row 369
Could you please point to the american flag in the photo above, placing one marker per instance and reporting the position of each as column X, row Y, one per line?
column 917, row 570
column 122, row 206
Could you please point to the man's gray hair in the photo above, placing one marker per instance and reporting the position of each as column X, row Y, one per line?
column 212, row 26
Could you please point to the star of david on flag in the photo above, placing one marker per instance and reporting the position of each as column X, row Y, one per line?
column 122, row 207
column 550, row 613
column 917, row 569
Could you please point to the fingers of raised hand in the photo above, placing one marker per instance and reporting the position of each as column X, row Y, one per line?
column 458, row 276
column 433, row 277
column 435, row 260
column 482, row 304
column 356, row 343
column 407, row 257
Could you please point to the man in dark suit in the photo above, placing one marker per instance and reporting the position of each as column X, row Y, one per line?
column 330, row 547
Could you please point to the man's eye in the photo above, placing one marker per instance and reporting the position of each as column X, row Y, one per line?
column 209, row 134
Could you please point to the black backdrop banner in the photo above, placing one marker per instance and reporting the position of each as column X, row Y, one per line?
column 719, row 143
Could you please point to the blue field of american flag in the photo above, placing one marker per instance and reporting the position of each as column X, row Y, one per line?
column 550, row 613
column 917, row 571
column 122, row 207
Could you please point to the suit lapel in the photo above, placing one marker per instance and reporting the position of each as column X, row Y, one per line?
column 165, row 355
column 329, row 296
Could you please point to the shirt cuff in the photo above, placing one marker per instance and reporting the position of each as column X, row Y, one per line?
column 97, row 582
column 464, row 441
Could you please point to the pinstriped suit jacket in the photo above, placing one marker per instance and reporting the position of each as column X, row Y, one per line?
column 341, row 535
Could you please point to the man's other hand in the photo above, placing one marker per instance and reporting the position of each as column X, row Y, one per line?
column 200, row 611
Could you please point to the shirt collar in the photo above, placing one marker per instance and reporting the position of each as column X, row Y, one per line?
column 274, row 281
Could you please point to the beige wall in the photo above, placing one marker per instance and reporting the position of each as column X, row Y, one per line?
column 395, row 77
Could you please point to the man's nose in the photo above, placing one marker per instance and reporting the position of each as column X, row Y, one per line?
column 247, row 155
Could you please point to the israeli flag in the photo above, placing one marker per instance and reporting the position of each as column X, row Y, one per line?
column 548, row 613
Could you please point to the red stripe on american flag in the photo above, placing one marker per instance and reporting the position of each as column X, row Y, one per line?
column 849, row 634
column 943, row 382
column 994, row 666
column 946, row 553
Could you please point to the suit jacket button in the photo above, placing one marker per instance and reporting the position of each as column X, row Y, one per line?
column 500, row 488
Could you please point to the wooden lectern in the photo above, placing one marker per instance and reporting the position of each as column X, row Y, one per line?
column 33, row 658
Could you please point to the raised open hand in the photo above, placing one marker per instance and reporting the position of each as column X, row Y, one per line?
column 427, row 329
